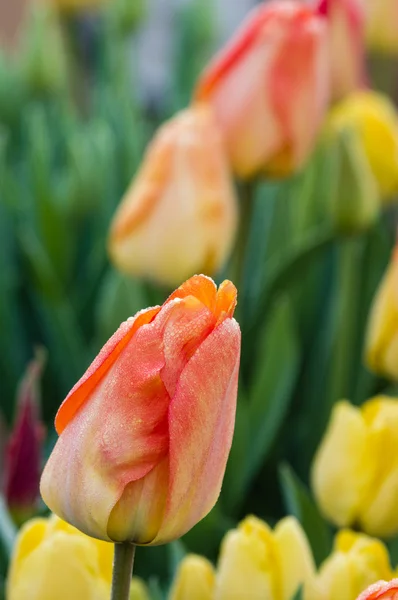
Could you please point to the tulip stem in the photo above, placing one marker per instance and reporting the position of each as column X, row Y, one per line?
column 239, row 256
column 122, row 570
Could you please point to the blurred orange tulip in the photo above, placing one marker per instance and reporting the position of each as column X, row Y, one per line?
column 346, row 44
column 269, row 88
column 144, row 436
column 179, row 215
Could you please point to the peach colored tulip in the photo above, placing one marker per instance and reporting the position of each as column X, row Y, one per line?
column 145, row 434
column 382, row 590
column 346, row 44
column 269, row 88
column 179, row 215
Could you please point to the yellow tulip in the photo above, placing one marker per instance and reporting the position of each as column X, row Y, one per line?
column 258, row 563
column 381, row 352
column 356, row 561
column 195, row 580
column 374, row 117
column 355, row 471
column 54, row 561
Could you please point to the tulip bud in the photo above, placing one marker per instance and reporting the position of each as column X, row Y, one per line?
column 43, row 60
column 125, row 15
column 346, row 44
column 179, row 215
column 256, row 562
column 269, row 88
column 381, row 349
column 354, row 199
column 382, row 590
column 195, row 580
column 382, row 25
column 356, row 561
column 75, row 6
column 346, row 477
column 144, row 436
column 24, row 449
column 374, row 117
column 52, row 560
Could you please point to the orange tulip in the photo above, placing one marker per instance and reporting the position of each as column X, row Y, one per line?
column 179, row 216
column 381, row 591
column 346, row 44
column 144, row 436
column 269, row 88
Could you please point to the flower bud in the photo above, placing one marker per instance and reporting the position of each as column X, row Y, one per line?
column 382, row 25
column 346, row 44
column 144, row 436
column 43, row 60
column 356, row 561
column 52, row 560
column 269, row 88
column 382, row 590
column 346, row 477
column 179, row 216
column 354, row 200
column 257, row 563
column 24, row 449
column 381, row 350
column 375, row 119
column 195, row 580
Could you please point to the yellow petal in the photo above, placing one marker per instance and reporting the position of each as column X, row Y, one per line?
column 343, row 467
column 195, row 580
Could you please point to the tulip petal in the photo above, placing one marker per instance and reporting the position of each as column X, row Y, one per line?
column 344, row 466
column 382, row 590
column 100, row 366
column 201, row 422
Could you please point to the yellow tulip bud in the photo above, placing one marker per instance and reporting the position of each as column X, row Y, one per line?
column 195, row 580
column 354, row 198
column 356, row 561
column 374, row 117
column 347, row 478
column 180, row 214
column 257, row 563
column 54, row 561
column 381, row 351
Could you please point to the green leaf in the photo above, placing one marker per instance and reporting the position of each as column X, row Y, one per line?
column 300, row 504
column 283, row 271
column 8, row 530
column 177, row 552
column 299, row 594
column 120, row 297
column 233, row 488
column 273, row 380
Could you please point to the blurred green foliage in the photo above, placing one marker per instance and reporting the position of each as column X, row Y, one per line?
column 73, row 129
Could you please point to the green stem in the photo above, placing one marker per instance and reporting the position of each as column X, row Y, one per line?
column 347, row 290
column 247, row 205
column 122, row 570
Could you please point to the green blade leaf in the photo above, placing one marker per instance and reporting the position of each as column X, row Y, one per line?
column 300, row 504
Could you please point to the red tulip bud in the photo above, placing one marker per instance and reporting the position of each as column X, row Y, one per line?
column 23, row 452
